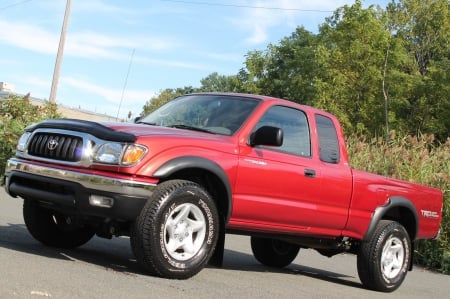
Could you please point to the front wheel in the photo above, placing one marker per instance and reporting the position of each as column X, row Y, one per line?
column 177, row 231
column 384, row 260
column 273, row 252
column 54, row 229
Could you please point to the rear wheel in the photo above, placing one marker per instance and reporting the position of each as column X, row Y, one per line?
column 54, row 229
column 384, row 260
column 177, row 231
column 272, row 252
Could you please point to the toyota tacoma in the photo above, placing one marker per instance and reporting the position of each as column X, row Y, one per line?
column 203, row 165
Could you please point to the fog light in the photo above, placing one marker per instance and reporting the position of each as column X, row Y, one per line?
column 101, row 201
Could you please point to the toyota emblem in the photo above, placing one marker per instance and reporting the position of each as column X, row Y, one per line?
column 52, row 144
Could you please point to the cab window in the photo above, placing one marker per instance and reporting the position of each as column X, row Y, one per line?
column 328, row 140
column 294, row 123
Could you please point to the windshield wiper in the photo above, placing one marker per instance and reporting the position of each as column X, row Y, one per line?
column 146, row 123
column 181, row 126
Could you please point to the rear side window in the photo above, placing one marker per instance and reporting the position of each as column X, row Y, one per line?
column 328, row 140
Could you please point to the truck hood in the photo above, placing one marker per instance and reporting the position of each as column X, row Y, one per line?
column 121, row 132
column 141, row 130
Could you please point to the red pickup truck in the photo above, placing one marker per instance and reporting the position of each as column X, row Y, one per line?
column 203, row 165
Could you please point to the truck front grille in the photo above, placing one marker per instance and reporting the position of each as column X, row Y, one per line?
column 56, row 146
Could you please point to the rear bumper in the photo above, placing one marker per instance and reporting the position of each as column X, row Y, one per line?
column 70, row 191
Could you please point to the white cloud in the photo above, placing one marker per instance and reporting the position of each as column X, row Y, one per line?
column 6, row 62
column 259, row 34
column 112, row 95
column 28, row 36
column 259, row 16
column 81, row 44
column 95, row 6
column 102, row 99
column 139, row 14
column 38, row 82
column 104, row 7
column 222, row 56
column 39, row 87
column 101, row 45
column 173, row 63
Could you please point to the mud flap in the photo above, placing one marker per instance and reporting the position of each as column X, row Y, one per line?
column 216, row 259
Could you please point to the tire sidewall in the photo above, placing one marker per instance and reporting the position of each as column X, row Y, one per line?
column 189, row 194
column 42, row 227
column 273, row 253
column 397, row 232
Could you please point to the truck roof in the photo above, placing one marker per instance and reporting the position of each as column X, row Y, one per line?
column 265, row 98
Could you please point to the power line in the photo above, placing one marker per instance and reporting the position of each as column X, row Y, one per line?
column 14, row 4
column 247, row 6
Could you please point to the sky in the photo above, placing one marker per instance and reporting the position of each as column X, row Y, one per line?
column 119, row 54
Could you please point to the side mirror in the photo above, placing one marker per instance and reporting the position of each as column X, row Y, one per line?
column 136, row 119
column 267, row 135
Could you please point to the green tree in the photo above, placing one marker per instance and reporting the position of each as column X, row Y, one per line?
column 439, row 89
column 424, row 25
column 351, row 59
column 285, row 70
column 292, row 67
column 165, row 96
column 220, row 83
column 424, row 28
column 253, row 75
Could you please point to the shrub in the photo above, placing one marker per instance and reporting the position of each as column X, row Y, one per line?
column 16, row 113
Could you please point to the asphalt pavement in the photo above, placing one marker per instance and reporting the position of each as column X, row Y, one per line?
column 107, row 269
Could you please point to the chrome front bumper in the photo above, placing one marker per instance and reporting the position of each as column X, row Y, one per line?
column 89, row 181
column 71, row 190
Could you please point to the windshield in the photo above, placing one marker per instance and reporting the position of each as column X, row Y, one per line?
column 217, row 114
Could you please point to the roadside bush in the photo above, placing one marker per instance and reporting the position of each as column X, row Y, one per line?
column 417, row 159
column 16, row 113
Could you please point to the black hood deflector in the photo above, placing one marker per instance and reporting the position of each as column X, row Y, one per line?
column 96, row 129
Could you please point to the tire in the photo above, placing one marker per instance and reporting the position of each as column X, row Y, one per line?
column 177, row 230
column 384, row 260
column 52, row 228
column 272, row 252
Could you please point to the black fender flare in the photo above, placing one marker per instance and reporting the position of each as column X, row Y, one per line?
column 180, row 163
column 394, row 201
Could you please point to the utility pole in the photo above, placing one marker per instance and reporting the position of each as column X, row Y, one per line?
column 59, row 55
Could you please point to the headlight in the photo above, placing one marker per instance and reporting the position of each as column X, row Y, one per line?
column 119, row 154
column 23, row 140
column 109, row 153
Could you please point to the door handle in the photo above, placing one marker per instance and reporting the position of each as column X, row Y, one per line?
column 310, row 173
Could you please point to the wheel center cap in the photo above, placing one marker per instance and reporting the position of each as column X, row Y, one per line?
column 181, row 231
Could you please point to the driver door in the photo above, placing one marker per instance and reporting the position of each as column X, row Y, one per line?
column 282, row 188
